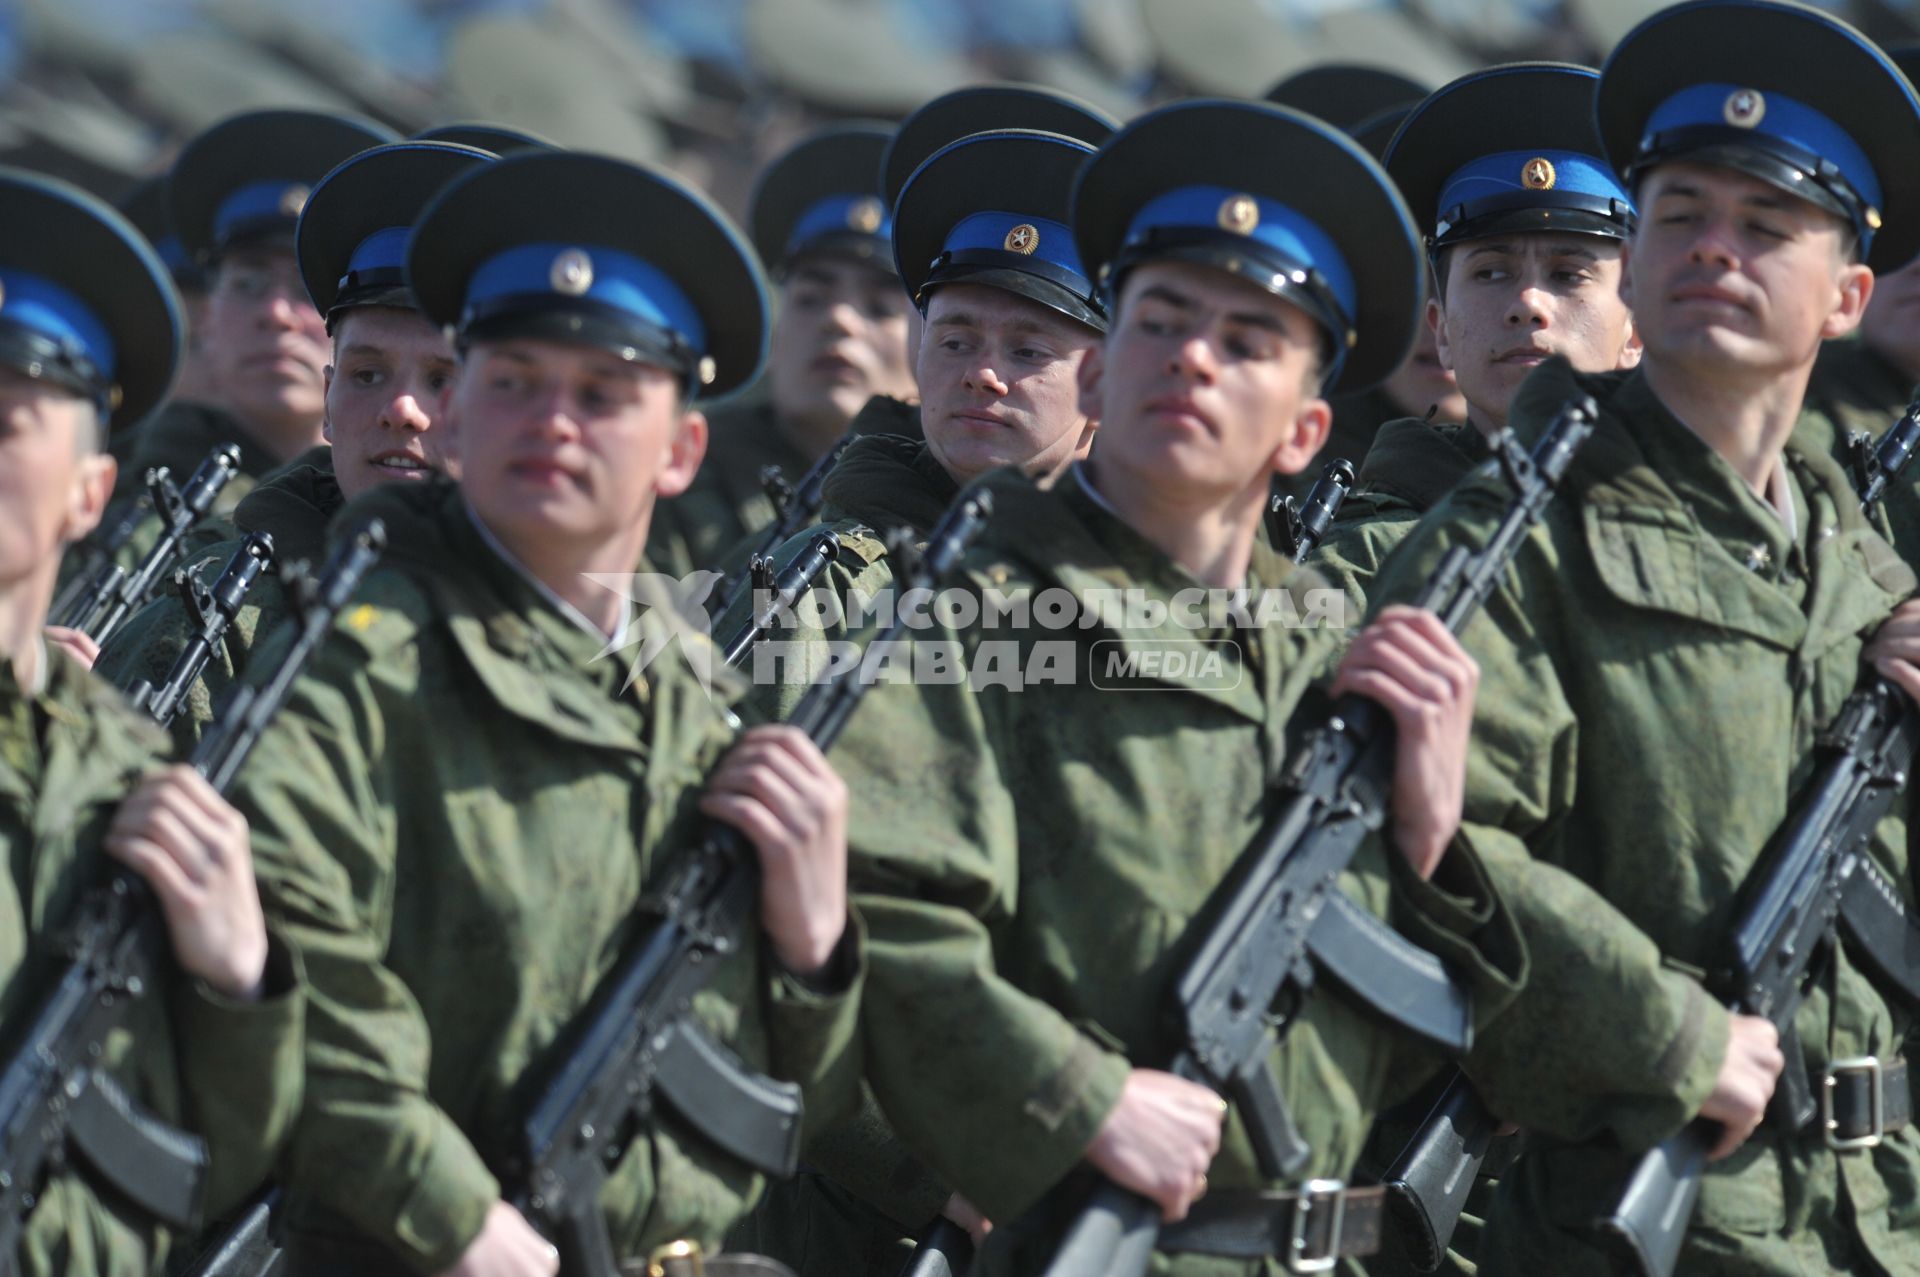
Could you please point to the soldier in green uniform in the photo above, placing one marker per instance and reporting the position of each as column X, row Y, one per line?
column 458, row 906
column 1369, row 102
column 89, row 339
column 840, row 337
column 1863, row 383
column 388, row 371
column 1034, row 839
column 981, row 234
column 1527, row 221
column 1695, row 607
column 235, row 196
column 145, row 205
column 983, row 245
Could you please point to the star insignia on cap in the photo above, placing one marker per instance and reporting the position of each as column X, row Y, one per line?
column 1745, row 108
column 571, row 273
column 294, row 199
column 865, row 215
column 1023, row 239
column 1239, row 214
column 1538, row 175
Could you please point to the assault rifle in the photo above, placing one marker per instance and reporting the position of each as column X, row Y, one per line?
column 1254, row 967
column 212, row 610
column 115, row 594
column 1428, row 1183
column 57, row 1107
column 1306, row 523
column 635, row 1046
column 780, row 592
column 794, row 509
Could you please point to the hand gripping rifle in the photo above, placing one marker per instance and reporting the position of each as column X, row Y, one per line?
column 116, row 594
column 1255, row 964
column 1309, row 521
column 773, row 595
column 1428, row 1183
column 56, row 1106
column 636, row 1045
column 1814, row 882
column 212, row 610
column 794, row 508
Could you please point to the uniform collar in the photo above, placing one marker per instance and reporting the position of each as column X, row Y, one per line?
column 573, row 615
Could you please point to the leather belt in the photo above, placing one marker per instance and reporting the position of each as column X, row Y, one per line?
column 1862, row 1100
column 1310, row 1231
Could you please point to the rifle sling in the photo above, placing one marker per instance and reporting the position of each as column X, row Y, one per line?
column 1392, row 975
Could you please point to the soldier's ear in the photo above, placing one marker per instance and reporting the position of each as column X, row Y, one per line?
column 326, row 403
column 1305, row 436
column 94, row 473
column 1626, row 273
column 1090, row 376
column 1437, row 321
column 686, row 448
column 1855, row 290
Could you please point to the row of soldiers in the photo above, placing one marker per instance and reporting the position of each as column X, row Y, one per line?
column 974, row 909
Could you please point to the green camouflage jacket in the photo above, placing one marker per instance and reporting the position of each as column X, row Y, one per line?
column 228, row 1071
column 458, row 816
column 180, row 439
column 882, row 482
column 293, row 506
column 1412, row 465
column 1654, row 670
column 1032, row 859
column 1856, row 390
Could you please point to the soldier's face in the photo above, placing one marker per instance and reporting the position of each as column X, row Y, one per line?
column 1422, row 382
column 1513, row 301
column 1207, row 385
column 998, row 383
column 266, row 347
column 1892, row 323
column 840, row 339
column 53, row 484
column 565, row 448
column 1730, row 276
column 390, row 370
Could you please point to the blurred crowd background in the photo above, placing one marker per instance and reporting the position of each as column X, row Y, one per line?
column 103, row 91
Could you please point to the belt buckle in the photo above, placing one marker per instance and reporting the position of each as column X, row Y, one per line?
column 1876, row 1103
column 676, row 1259
column 1298, row 1261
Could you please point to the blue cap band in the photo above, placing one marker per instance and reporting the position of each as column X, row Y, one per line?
column 384, row 250
column 1290, row 234
column 257, row 203
column 850, row 214
column 1773, row 116
column 46, row 310
column 173, row 255
column 614, row 280
column 1544, row 179
column 1051, row 243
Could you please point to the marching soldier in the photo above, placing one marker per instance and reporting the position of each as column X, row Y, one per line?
column 1527, row 222
column 1368, row 103
column 235, row 196
column 1698, row 603
column 89, row 340
column 461, row 904
column 1034, row 849
column 388, row 371
column 840, row 337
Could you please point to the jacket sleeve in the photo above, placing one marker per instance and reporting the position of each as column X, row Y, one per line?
column 935, row 849
column 370, row 1145
column 241, row 1072
column 1604, row 1038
